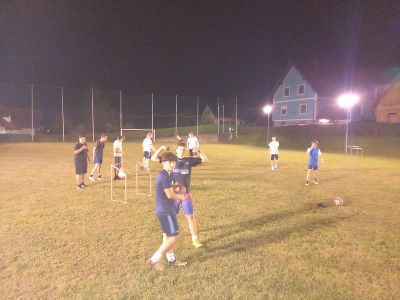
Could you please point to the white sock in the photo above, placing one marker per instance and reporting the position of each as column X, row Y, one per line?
column 170, row 256
column 156, row 257
column 194, row 237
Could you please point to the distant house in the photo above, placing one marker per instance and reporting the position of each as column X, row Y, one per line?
column 388, row 108
column 208, row 116
column 305, row 96
column 6, row 123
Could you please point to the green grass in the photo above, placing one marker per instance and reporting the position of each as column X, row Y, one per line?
column 266, row 236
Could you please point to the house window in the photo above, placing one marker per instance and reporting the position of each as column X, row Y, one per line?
column 284, row 110
column 300, row 89
column 286, row 91
column 303, row 109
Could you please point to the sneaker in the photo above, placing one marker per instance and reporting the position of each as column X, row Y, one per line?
column 158, row 266
column 78, row 187
column 272, row 169
column 117, row 177
column 315, row 181
column 177, row 263
column 91, row 178
column 307, row 183
column 99, row 178
column 83, row 185
column 197, row 244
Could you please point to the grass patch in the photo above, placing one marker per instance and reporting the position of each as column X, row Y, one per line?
column 265, row 235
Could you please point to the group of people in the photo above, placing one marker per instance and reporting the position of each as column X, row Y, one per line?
column 313, row 152
column 172, row 185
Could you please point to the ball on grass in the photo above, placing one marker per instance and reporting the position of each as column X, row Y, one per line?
column 338, row 201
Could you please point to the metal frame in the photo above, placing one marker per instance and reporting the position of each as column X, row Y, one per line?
column 112, row 167
column 140, row 166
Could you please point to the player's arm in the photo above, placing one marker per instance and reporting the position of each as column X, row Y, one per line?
column 94, row 151
column 152, row 148
column 156, row 154
column 172, row 195
column 82, row 148
column 202, row 156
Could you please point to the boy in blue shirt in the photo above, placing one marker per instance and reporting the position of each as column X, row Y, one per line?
column 313, row 154
column 166, row 213
column 98, row 156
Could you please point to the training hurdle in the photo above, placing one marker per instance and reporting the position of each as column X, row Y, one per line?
column 112, row 168
column 141, row 167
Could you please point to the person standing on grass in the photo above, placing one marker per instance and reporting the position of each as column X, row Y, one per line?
column 313, row 154
column 192, row 143
column 179, row 138
column 117, row 148
column 98, row 156
column 147, row 148
column 274, row 152
column 81, row 159
column 166, row 213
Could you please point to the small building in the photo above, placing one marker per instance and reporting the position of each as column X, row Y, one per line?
column 6, row 123
column 304, row 96
column 208, row 116
column 388, row 108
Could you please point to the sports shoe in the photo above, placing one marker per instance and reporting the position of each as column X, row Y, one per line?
column 177, row 263
column 91, row 178
column 315, row 181
column 158, row 266
column 78, row 187
column 197, row 244
column 83, row 185
column 273, row 169
column 117, row 177
column 307, row 183
column 99, row 178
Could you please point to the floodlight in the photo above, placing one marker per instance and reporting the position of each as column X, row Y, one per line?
column 347, row 100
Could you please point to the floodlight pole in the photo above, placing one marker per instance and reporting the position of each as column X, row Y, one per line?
column 198, row 99
column 223, row 118
column 92, row 116
column 120, row 110
column 176, row 115
column 268, row 127
column 218, row 116
column 347, row 128
column 62, row 114
column 152, row 112
column 236, row 130
column 32, row 111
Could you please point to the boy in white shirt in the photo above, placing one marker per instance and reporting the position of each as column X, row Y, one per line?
column 274, row 152
column 192, row 144
column 147, row 148
column 117, row 148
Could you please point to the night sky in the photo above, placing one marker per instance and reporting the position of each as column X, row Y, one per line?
column 191, row 48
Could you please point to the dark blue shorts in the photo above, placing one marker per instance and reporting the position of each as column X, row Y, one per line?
column 310, row 167
column 187, row 205
column 274, row 156
column 98, row 160
column 169, row 223
column 147, row 154
column 118, row 160
column 80, row 167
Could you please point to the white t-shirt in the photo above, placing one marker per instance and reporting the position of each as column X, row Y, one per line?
column 273, row 147
column 147, row 142
column 117, row 145
column 192, row 142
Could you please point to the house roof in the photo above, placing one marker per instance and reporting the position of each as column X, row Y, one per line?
column 328, row 80
column 7, row 125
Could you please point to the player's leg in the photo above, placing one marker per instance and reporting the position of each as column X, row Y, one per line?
column 308, row 175
column 96, row 166
column 99, row 171
column 272, row 162
column 276, row 161
column 316, row 175
column 187, row 207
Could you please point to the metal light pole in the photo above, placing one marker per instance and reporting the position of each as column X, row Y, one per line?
column 267, row 110
column 347, row 101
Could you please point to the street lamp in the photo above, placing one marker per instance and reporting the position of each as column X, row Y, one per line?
column 347, row 101
column 267, row 110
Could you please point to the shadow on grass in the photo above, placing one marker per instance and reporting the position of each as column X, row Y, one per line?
column 231, row 241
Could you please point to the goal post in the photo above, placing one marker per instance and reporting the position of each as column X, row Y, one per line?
column 137, row 133
column 112, row 169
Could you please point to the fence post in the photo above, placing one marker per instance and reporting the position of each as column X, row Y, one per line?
column 62, row 114
column 32, row 111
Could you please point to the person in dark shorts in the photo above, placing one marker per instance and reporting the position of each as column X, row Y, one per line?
column 98, row 156
column 81, row 159
column 314, row 153
column 166, row 213
column 117, row 148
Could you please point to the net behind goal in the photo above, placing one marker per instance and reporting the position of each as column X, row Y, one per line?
column 137, row 133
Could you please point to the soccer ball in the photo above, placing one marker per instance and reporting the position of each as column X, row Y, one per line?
column 121, row 174
column 338, row 201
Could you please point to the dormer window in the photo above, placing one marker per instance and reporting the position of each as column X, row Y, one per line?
column 286, row 91
column 300, row 89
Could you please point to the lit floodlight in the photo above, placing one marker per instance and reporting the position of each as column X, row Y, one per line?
column 347, row 100
column 267, row 109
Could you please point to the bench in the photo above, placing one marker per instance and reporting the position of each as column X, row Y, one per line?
column 357, row 149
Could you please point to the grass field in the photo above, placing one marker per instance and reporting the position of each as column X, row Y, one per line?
column 266, row 236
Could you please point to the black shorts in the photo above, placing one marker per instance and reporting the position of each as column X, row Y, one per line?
column 118, row 161
column 274, row 156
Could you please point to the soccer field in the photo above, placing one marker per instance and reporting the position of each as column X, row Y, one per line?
column 267, row 235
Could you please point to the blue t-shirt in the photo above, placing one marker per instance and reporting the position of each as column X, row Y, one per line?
column 81, row 157
column 313, row 157
column 98, row 152
column 163, row 204
column 183, row 170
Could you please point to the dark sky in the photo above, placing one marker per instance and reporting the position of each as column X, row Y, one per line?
column 192, row 48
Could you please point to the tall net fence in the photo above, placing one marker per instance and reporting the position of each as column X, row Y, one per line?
column 63, row 113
